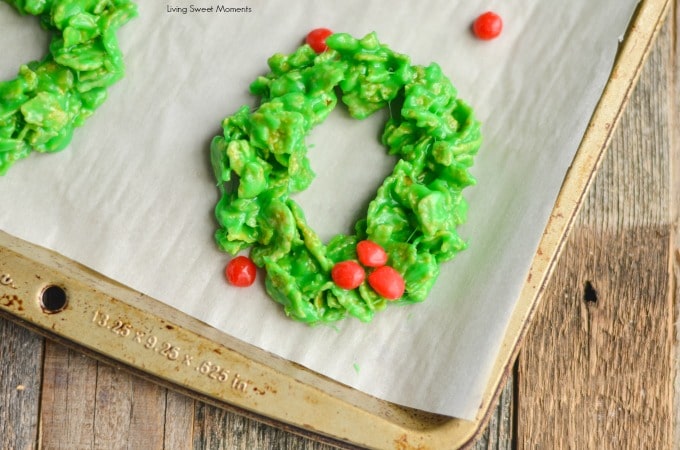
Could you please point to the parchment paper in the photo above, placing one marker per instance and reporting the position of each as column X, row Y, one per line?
column 133, row 195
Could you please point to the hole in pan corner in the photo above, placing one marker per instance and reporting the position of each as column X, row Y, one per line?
column 53, row 299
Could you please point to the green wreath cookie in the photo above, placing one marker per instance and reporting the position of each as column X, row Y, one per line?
column 261, row 160
column 50, row 98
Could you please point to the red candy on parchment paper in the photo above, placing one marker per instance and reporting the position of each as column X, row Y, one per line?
column 487, row 26
column 241, row 271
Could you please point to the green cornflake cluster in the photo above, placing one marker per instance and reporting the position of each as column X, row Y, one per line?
column 261, row 160
column 40, row 109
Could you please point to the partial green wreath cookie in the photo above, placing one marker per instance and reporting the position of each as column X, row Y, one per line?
column 40, row 109
column 261, row 160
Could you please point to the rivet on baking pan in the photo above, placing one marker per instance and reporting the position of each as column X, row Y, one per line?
column 53, row 299
column 6, row 280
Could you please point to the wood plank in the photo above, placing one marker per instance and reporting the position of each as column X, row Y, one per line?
column 597, row 362
column 86, row 404
column 115, row 423
column 68, row 392
column 20, row 378
column 498, row 434
column 675, row 211
column 179, row 421
column 217, row 429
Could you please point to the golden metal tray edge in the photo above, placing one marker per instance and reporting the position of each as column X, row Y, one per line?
column 119, row 325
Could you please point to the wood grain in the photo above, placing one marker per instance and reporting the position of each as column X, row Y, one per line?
column 675, row 210
column 68, row 393
column 87, row 404
column 498, row 434
column 20, row 370
column 598, row 360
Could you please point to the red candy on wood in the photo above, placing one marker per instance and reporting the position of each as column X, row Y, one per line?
column 241, row 271
column 371, row 254
column 348, row 274
column 387, row 282
column 487, row 26
column 317, row 39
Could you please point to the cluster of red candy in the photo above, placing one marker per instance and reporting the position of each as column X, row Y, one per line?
column 384, row 280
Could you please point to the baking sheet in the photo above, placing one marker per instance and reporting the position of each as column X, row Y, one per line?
column 132, row 197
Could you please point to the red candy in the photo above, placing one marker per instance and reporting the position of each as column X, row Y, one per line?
column 317, row 39
column 241, row 271
column 371, row 254
column 387, row 282
column 348, row 274
column 487, row 26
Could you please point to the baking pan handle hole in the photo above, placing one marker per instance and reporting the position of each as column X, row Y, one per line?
column 53, row 299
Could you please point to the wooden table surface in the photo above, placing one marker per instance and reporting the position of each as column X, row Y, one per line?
column 596, row 371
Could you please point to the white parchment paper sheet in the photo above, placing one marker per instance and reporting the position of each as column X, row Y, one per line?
column 133, row 195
